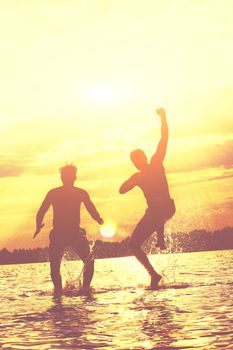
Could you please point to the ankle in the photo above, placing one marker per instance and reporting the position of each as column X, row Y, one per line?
column 155, row 275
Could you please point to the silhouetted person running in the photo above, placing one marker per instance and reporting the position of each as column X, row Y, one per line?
column 152, row 180
column 66, row 202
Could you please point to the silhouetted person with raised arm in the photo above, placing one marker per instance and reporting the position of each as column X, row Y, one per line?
column 66, row 202
column 152, row 180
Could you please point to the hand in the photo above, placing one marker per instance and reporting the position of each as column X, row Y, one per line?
column 38, row 229
column 161, row 112
column 101, row 221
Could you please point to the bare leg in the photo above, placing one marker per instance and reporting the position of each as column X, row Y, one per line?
column 143, row 259
column 83, row 249
column 55, row 254
column 160, row 236
column 88, row 272
column 143, row 230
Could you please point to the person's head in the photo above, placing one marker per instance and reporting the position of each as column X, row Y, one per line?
column 139, row 159
column 68, row 174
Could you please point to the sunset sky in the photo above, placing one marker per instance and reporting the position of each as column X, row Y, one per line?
column 80, row 81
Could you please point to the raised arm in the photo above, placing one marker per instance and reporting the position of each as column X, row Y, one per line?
column 92, row 209
column 162, row 146
column 41, row 213
column 129, row 184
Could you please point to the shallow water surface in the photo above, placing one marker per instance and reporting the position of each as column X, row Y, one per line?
column 191, row 310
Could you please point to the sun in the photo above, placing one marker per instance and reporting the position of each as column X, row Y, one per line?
column 108, row 230
column 102, row 93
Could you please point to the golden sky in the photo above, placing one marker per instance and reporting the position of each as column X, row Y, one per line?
column 80, row 81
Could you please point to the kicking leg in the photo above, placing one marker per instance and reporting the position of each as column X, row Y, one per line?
column 143, row 230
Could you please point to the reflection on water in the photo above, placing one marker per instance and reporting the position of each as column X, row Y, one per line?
column 69, row 324
column 192, row 310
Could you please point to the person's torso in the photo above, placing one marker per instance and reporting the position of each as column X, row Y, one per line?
column 153, row 183
column 66, row 203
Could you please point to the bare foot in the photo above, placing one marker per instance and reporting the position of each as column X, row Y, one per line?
column 161, row 246
column 85, row 291
column 155, row 279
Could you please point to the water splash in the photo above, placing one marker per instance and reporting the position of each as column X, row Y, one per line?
column 73, row 284
column 162, row 264
column 173, row 285
column 172, row 247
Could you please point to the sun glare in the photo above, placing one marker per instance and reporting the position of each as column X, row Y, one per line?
column 108, row 230
column 102, row 93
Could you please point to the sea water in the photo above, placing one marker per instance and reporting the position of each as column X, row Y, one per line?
column 193, row 309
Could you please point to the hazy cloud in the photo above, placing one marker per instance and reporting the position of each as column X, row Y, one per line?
column 13, row 166
column 200, row 156
column 11, row 170
column 226, row 204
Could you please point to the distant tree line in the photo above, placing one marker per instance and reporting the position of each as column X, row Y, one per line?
column 197, row 240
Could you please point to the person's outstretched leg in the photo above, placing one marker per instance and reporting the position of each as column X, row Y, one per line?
column 143, row 230
column 141, row 256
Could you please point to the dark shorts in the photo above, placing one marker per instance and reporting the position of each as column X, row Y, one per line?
column 77, row 240
column 153, row 220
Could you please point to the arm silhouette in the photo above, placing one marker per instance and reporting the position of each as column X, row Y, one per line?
column 92, row 209
column 162, row 146
column 129, row 184
column 41, row 213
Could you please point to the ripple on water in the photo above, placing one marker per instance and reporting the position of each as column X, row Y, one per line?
column 189, row 311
